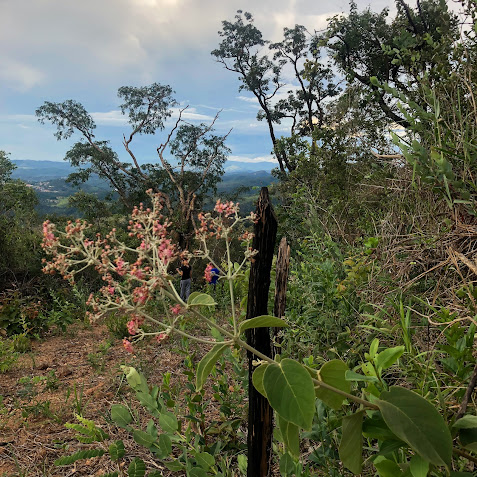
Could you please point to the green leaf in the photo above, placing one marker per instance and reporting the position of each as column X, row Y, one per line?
column 174, row 465
column 204, row 459
column 388, row 357
column 387, row 468
column 287, row 465
column 143, row 438
column 376, row 428
column 290, row 391
column 418, row 423
column 207, row 363
column 352, row 376
column 419, row 467
column 242, row 463
column 137, row 468
column 121, row 415
column 468, row 438
column 202, row 299
column 196, row 472
column 148, row 402
column 116, row 450
column 257, row 379
column 168, row 422
column 373, row 348
column 165, row 445
column 466, row 422
column 374, row 81
column 136, row 380
column 262, row 322
column 333, row 373
column 192, row 296
column 351, row 445
column 291, row 436
column 86, row 454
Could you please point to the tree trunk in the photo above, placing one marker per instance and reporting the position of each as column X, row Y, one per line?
column 260, row 414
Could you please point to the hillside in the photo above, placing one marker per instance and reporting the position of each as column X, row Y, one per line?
column 48, row 180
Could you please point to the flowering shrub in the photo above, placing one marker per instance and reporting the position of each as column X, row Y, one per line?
column 130, row 285
column 412, row 423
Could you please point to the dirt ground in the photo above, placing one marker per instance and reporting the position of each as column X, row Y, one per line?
column 61, row 375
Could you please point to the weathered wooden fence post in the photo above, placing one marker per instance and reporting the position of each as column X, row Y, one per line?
column 282, row 268
column 260, row 414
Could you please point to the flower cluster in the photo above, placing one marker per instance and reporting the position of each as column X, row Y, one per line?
column 226, row 208
column 136, row 275
column 208, row 273
column 134, row 324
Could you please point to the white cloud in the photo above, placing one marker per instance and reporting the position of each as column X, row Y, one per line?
column 248, row 99
column 110, row 118
column 20, row 76
column 116, row 118
column 252, row 159
column 191, row 114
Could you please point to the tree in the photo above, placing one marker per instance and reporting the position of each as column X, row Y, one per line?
column 241, row 52
column 6, row 167
column 183, row 181
column 19, row 237
column 364, row 45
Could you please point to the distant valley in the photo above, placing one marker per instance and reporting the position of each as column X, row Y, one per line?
column 48, row 179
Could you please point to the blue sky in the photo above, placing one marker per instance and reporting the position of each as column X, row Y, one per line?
column 53, row 50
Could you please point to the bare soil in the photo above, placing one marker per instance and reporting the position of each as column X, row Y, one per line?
column 62, row 375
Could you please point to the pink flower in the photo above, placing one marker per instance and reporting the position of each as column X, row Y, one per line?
column 161, row 337
column 132, row 327
column 128, row 346
column 120, row 266
column 140, row 295
column 111, row 290
column 207, row 273
column 175, row 310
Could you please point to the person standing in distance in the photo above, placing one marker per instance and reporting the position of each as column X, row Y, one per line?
column 185, row 271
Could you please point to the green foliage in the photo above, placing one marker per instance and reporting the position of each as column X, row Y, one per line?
column 117, row 325
column 86, row 454
column 350, row 449
column 207, row 363
column 417, row 422
column 289, row 389
column 8, row 355
column 241, row 51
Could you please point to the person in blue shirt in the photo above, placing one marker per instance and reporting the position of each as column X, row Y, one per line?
column 212, row 274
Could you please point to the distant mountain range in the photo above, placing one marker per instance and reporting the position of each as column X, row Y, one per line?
column 36, row 171
column 240, row 182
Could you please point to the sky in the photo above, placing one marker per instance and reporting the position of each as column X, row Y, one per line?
column 53, row 50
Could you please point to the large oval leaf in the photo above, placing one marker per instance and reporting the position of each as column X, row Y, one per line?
column 291, row 436
column 202, row 299
column 262, row 322
column 207, row 363
column 121, row 415
column 351, row 445
column 418, row 423
column 257, row 379
column 290, row 391
column 334, row 374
